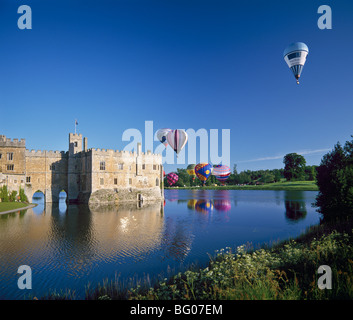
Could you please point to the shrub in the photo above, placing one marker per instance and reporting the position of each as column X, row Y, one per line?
column 4, row 194
column 12, row 196
column 23, row 197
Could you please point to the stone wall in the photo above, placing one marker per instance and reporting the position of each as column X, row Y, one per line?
column 46, row 171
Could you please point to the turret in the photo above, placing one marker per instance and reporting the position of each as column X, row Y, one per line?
column 75, row 143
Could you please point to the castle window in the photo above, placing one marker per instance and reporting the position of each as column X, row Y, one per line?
column 130, row 181
column 157, row 182
column 143, row 167
column 120, row 166
column 28, row 179
column 76, row 144
column 0, row 155
column 52, row 167
column 102, row 165
column 115, row 180
column 154, row 167
column 10, row 156
column 101, row 181
column 10, row 167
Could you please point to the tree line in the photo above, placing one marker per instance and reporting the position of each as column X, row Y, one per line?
column 295, row 169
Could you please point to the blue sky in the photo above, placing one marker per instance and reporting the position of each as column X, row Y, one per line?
column 113, row 65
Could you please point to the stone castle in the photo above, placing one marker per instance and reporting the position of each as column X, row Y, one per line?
column 86, row 175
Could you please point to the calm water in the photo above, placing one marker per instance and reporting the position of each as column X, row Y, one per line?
column 71, row 246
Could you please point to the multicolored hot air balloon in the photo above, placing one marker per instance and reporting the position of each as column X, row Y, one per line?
column 177, row 139
column 221, row 172
column 203, row 171
column 191, row 170
column 162, row 135
column 172, row 178
column 295, row 56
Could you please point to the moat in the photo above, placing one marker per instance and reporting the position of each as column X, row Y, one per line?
column 71, row 246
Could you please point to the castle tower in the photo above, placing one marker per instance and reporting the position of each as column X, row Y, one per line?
column 74, row 166
column 75, row 143
column 12, row 162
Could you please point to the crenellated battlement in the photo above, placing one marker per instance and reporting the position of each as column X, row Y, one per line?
column 47, row 154
column 123, row 153
column 15, row 143
column 111, row 152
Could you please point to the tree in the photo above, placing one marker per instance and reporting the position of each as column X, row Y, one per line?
column 294, row 166
column 268, row 177
column 235, row 169
column 335, row 181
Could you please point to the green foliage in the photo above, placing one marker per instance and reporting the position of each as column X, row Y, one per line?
column 4, row 194
column 23, row 197
column 12, row 196
column 335, row 182
column 294, row 167
column 285, row 272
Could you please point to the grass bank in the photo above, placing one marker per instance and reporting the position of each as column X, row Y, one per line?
column 295, row 185
column 6, row 206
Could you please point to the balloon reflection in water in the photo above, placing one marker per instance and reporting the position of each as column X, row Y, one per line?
column 222, row 205
column 204, row 206
column 191, row 204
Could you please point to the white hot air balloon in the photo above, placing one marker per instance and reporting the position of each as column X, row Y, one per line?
column 162, row 135
column 177, row 139
column 295, row 56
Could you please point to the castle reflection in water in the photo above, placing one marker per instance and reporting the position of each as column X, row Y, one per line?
column 71, row 245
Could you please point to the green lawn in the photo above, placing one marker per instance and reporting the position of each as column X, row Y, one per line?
column 296, row 185
column 5, row 206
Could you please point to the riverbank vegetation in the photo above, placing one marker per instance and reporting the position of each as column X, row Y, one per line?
column 7, row 206
column 250, row 178
column 284, row 185
column 10, row 200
